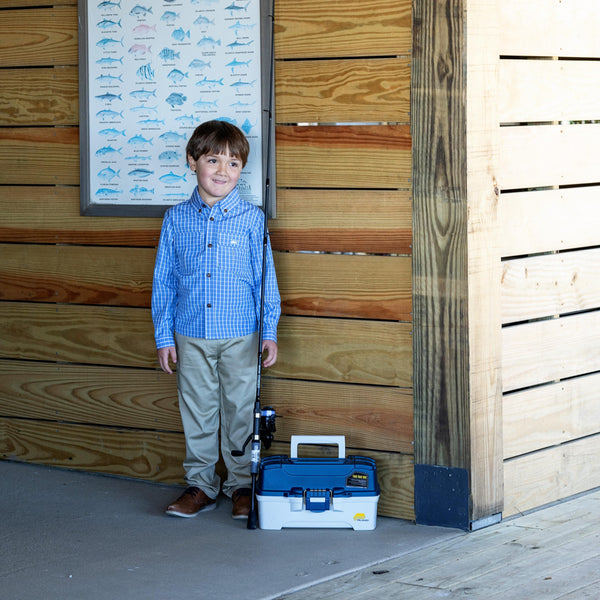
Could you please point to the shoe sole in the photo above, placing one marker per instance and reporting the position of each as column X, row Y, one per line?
column 175, row 513
column 239, row 516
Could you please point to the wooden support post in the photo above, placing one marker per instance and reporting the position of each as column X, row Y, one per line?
column 456, row 263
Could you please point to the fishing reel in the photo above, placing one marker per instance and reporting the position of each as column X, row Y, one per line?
column 265, row 431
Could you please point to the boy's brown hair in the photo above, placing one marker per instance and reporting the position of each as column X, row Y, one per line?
column 218, row 137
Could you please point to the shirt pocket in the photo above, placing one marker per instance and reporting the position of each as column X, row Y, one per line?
column 190, row 250
column 233, row 255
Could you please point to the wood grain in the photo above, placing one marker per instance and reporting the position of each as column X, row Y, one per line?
column 375, row 221
column 549, row 475
column 39, row 156
column 46, row 36
column 333, row 91
column 44, row 96
column 547, row 155
column 77, row 274
column 545, row 220
column 344, row 156
column 561, row 28
column 551, row 414
column 550, row 284
column 50, row 214
column 359, row 287
column 548, row 90
column 337, row 28
column 548, row 350
column 344, row 350
column 157, row 456
column 371, row 417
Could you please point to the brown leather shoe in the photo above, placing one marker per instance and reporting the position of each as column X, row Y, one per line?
column 242, row 501
column 190, row 503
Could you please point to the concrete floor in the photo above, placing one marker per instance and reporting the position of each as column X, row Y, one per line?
column 75, row 536
column 68, row 535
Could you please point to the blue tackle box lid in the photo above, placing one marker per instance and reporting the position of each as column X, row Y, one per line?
column 291, row 477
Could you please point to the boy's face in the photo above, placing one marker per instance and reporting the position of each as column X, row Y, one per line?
column 217, row 175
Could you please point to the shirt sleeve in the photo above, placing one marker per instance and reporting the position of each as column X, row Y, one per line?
column 164, row 288
column 272, row 299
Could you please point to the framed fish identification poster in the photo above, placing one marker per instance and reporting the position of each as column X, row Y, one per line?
column 150, row 72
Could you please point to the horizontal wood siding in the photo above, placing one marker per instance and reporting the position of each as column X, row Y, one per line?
column 549, row 216
column 79, row 383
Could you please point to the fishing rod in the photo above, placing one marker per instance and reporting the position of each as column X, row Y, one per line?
column 263, row 424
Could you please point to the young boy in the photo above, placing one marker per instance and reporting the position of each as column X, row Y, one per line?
column 205, row 307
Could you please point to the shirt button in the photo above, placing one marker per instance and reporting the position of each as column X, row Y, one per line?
column 224, row 210
column 212, row 218
column 208, row 274
column 209, row 306
column 199, row 210
column 210, row 245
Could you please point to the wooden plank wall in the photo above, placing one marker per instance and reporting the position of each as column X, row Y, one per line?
column 550, row 223
column 79, row 384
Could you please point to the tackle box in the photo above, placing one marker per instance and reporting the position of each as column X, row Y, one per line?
column 317, row 492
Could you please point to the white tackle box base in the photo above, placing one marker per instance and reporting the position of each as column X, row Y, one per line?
column 359, row 514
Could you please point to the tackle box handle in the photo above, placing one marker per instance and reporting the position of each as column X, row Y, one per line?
column 339, row 440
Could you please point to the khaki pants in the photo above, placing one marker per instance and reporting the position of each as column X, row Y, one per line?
column 216, row 382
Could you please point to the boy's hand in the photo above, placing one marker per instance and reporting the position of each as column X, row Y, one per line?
column 164, row 354
column 269, row 347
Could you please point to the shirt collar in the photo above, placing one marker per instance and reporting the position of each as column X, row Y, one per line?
column 224, row 206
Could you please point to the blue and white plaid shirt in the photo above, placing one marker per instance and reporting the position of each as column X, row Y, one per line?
column 207, row 276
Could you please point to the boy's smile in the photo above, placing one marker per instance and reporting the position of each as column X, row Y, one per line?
column 217, row 175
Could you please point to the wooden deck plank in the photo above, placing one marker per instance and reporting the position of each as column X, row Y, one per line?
column 551, row 553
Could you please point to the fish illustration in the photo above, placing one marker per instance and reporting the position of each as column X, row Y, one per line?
column 238, row 25
column 238, row 63
column 139, row 49
column 172, row 136
column 180, row 34
column 240, row 83
column 152, row 122
column 206, row 103
column 142, row 94
column 109, row 114
column 233, row 7
column 109, row 42
column 144, row 108
column 199, row 64
column 175, row 99
column 145, row 72
column 209, row 82
column 176, row 75
column 182, row 195
column 169, row 16
column 246, row 126
column 143, row 28
column 108, row 174
column 107, row 192
column 171, row 177
column 237, row 44
column 102, row 78
column 168, row 54
column 140, row 10
column 112, row 132
column 140, row 173
column 138, row 140
column 202, row 20
column 109, row 61
column 243, row 104
column 137, row 190
column 208, row 41
column 107, row 24
column 186, row 120
column 108, row 97
column 169, row 156
column 107, row 150
column 136, row 158
column 109, row 4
